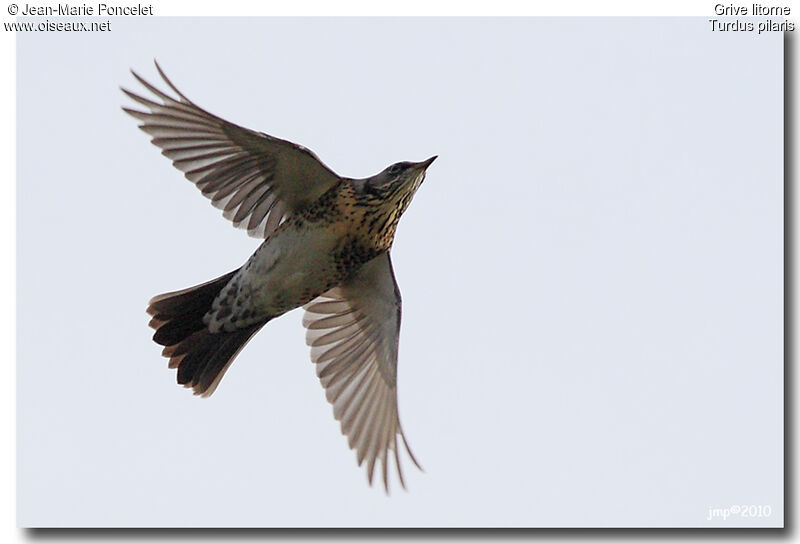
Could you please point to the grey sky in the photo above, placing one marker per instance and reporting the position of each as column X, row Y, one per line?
column 591, row 274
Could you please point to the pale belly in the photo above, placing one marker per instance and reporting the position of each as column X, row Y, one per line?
column 289, row 269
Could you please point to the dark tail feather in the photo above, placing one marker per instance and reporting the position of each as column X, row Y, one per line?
column 200, row 356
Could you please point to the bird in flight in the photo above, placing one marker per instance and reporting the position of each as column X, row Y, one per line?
column 326, row 247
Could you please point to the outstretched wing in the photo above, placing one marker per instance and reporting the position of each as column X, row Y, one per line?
column 256, row 179
column 353, row 332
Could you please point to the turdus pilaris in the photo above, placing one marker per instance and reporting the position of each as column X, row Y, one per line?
column 326, row 247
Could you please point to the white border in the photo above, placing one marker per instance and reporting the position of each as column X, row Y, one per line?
column 8, row 531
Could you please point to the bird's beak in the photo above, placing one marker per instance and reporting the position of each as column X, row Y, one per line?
column 425, row 164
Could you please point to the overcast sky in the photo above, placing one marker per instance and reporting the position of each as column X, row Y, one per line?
column 591, row 274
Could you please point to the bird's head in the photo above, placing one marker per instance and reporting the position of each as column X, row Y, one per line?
column 395, row 186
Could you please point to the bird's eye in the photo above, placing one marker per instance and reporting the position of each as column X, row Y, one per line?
column 395, row 169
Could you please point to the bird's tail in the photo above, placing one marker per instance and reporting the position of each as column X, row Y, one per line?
column 201, row 357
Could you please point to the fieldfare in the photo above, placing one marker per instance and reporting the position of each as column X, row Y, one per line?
column 326, row 247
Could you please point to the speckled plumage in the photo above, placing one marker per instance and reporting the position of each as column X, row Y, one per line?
column 304, row 257
column 326, row 247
